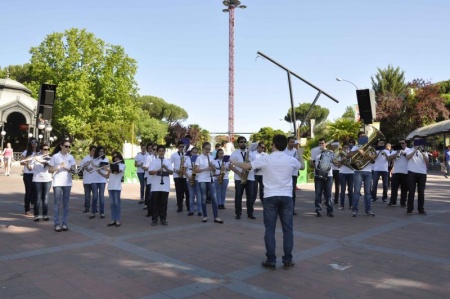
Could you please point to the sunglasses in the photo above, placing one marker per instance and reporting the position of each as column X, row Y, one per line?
column 242, row 141
column 402, row 143
column 67, row 146
column 45, row 149
column 154, row 148
column 33, row 142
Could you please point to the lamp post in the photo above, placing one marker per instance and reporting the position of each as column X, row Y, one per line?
column 340, row 79
column 40, row 137
column 231, row 5
column 51, row 139
column 30, row 135
column 48, row 130
column 3, row 136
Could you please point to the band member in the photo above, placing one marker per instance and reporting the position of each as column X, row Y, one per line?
column 399, row 175
column 345, row 178
column 242, row 155
column 380, row 168
column 98, row 182
column 278, row 169
column 195, row 198
column 323, row 181
column 61, row 164
column 359, row 176
column 42, row 182
column 222, row 169
column 292, row 150
column 417, row 176
column 205, row 176
column 31, row 151
column 260, row 151
column 159, row 171
column 86, row 166
column 138, row 162
column 390, row 164
column 114, row 174
column 149, row 157
column 181, row 188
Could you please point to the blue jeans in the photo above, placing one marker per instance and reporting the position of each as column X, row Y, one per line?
column 41, row 190
column 346, row 181
column 114, row 202
column 141, row 183
column 359, row 178
column 221, row 190
column 375, row 178
column 193, row 196
column 282, row 206
column 323, row 186
column 239, row 191
column 87, row 196
column 61, row 195
column 212, row 195
column 98, row 194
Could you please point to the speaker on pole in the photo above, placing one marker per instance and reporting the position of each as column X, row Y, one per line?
column 47, row 94
column 366, row 105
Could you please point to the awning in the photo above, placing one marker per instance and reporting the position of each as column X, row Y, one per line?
column 437, row 128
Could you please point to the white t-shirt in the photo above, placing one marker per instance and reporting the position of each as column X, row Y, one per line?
column 147, row 162
column 238, row 156
column 115, row 179
column 278, row 168
column 25, row 168
column 381, row 162
column 87, row 177
column 140, row 158
column 255, row 155
column 40, row 171
column 401, row 164
column 95, row 176
column 293, row 153
column 156, row 179
column 202, row 162
column 368, row 167
column 175, row 158
column 218, row 164
column 62, row 177
column 417, row 162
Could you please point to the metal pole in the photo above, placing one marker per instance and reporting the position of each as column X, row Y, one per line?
column 293, row 120
column 231, row 76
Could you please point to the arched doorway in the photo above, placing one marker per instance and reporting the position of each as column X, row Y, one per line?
column 16, row 129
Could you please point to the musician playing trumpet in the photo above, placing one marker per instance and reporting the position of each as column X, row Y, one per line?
column 380, row 168
column 399, row 175
column 159, row 170
column 205, row 176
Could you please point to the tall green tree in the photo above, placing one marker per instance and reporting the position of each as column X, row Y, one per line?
column 266, row 134
column 349, row 112
column 318, row 113
column 159, row 109
column 96, row 89
column 389, row 81
column 343, row 129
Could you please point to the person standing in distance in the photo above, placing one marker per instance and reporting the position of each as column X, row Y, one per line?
column 278, row 168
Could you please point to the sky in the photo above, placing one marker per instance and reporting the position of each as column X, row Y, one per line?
column 181, row 48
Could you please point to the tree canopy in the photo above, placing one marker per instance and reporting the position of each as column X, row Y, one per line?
column 266, row 134
column 389, row 81
column 318, row 113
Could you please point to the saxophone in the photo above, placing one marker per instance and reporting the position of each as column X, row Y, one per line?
column 182, row 169
column 192, row 177
column 246, row 171
column 222, row 173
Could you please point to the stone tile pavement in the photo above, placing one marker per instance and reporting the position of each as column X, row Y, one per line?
column 391, row 255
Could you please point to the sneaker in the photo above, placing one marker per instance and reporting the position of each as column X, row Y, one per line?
column 268, row 265
column 318, row 214
column 179, row 210
column 86, row 211
column 58, row 228
column 330, row 215
column 384, row 199
column 46, row 218
column 141, row 202
column 370, row 213
column 354, row 214
column 102, row 216
column 92, row 216
column 288, row 265
column 403, row 205
column 154, row 223
column 65, row 228
column 164, row 222
column 422, row 213
column 218, row 220
column 205, row 219
column 199, row 214
column 392, row 205
column 36, row 218
column 190, row 213
column 341, row 208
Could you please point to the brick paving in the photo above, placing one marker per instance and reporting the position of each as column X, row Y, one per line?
column 391, row 255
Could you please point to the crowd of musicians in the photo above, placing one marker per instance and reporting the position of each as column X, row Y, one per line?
column 201, row 176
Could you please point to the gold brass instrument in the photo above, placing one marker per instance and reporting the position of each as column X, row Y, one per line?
column 359, row 161
column 222, row 172
column 193, row 175
column 246, row 171
column 341, row 157
column 182, row 169
column 210, row 171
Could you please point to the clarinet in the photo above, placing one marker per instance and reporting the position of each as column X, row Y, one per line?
column 162, row 179
column 210, row 171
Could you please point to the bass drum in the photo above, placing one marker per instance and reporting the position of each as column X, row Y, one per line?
column 323, row 167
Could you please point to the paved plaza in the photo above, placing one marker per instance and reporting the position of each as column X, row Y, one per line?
column 392, row 255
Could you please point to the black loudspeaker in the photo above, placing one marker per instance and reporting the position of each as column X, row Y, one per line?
column 49, row 97
column 46, row 112
column 366, row 105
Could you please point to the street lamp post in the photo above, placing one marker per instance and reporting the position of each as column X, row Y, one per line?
column 340, row 79
column 40, row 137
column 3, row 136
column 48, row 130
column 231, row 5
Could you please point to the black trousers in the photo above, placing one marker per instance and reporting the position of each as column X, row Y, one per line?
column 336, row 185
column 399, row 180
column 294, row 189
column 182, row 192
column 259, row 185
column 159, row 205
column 419, row 180
column 29, row 191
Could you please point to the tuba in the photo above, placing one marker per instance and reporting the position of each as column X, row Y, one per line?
column 359, row 161
column 342, row 158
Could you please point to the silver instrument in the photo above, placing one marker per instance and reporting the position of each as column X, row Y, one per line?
column 324, row 165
